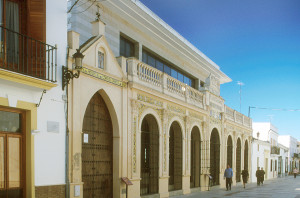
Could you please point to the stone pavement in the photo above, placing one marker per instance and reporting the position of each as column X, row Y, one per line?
column 286, row 187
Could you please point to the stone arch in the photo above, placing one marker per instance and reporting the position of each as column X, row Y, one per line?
column 246, row 155
column 180, row 123
column 215, row 156
column 229, row 151
column 238, row 159
column 154, row 114
column 149, row 155
column 195, row 157
column 110, row 106
column 97, row 149
column 175, row 156
column 196, row 124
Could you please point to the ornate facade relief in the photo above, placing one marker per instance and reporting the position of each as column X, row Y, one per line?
column 212, row 83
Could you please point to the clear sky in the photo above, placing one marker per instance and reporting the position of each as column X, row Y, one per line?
column 256, row 42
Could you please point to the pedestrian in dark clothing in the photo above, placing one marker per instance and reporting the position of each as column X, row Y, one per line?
column 228, row 175
column 295, row 171
column 245, row 176
column 262, row 175
column 258, row 176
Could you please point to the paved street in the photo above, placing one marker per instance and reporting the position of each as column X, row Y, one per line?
column 287, row 187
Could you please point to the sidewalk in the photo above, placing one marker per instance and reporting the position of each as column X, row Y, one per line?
column 286, row 187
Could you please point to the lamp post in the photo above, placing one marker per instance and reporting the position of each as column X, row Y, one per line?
column 67, row 74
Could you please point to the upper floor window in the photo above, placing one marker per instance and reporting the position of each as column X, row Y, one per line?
column 161, row 65
column 126, row 47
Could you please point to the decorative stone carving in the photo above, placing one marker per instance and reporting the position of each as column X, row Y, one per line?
column 149, row 100
column 213, row 84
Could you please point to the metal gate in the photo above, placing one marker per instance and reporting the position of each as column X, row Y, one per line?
column 238, row 161
column 149, row 156
column 215, row 157
column 97, row 154
column 229, row 151
column 246, row 156
column 175, row 158
column 195, row 158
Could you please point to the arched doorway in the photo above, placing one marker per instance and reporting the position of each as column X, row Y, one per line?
column 246, row 156
column 195, row 157
column 229, row 151
column 97, row 153
column 149, row 155
column 238, row 160
column 215, row 156
column 175, row 157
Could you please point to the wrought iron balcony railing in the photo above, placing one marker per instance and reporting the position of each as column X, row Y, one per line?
column 275, row 150
column 22, row 54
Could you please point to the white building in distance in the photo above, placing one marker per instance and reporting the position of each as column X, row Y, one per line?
column 267, row 153
column 292, row 144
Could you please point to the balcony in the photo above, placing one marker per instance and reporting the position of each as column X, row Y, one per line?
column 275, row 150
column 233, row 115
column 142, row 74
column 27, row 56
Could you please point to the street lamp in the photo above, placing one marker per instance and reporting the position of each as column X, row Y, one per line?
column 67, row 74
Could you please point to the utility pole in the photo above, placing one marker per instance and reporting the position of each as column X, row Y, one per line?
column 241, row 84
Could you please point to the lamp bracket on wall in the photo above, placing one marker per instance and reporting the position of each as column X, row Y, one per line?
column 67, row 76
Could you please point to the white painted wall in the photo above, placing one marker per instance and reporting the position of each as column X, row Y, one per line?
column 49, row 146
column 259, row 155
column 291, row 143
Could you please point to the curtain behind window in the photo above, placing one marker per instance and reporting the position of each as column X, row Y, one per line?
column 12, row 23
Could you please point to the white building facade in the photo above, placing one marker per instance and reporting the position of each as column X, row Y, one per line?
column 267, row 152
column 291, row 143
column 146, row 108
column 33, row 43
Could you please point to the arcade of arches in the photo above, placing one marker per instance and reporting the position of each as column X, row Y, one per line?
column 170, row 151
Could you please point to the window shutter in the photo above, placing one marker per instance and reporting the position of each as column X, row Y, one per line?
column 37, row 30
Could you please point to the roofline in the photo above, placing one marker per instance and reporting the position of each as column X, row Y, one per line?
column 181, row 38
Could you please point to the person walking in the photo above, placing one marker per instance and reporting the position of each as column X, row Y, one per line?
column 228, row 173
column 295, row 171
column 262, row 175
column 245, row 176
column 258, row 177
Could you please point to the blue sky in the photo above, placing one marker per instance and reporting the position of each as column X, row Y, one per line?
column 253, row 41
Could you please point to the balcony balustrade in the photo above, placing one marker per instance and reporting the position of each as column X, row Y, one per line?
column 28, row 56
column 275, row 150
column 152, row 78
column 235, row 116
column 155, row 79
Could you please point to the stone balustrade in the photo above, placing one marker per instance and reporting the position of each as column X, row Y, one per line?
column 235, row 116
column 152, row 78
column 143, row 74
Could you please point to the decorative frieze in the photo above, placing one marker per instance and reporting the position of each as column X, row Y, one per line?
column 176, row 109
column 149, row 100
column 195, row 115
column 103, row 77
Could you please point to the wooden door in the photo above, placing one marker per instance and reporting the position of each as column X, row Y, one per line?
column 97, row 153
column 12, row 154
